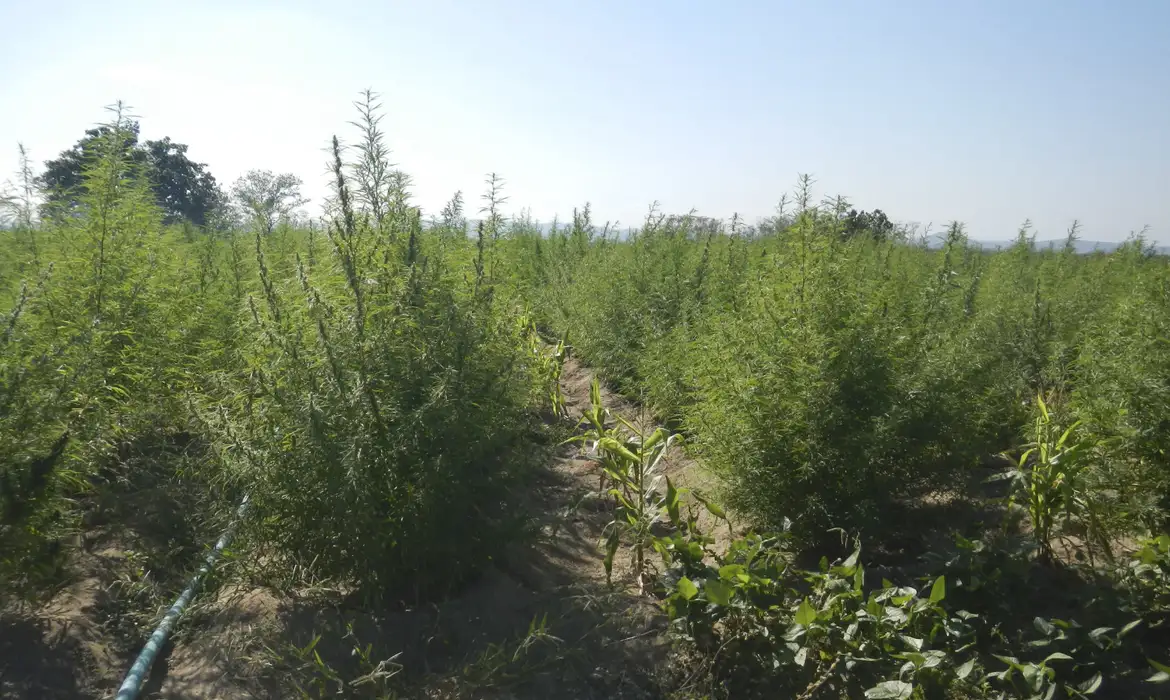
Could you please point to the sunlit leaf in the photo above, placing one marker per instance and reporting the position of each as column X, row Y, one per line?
column 718, row 592
column 938, row 591
column 805, row 614
column 890, row 690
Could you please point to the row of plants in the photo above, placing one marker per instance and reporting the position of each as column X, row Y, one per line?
column 991, row 423
column 366, row 380
column 829, row 374
column 755, row 623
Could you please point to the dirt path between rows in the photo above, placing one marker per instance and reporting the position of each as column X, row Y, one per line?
column 238, row 642
column 604, row 642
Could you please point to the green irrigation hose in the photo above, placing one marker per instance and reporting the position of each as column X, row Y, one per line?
column 132, row 686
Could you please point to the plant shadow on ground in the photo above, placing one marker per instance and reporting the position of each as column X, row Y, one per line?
column 40, row 659
column 141, row 530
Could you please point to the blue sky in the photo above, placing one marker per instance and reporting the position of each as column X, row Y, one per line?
column 987, row 112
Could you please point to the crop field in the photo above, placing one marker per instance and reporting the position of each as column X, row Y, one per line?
column 805, row 457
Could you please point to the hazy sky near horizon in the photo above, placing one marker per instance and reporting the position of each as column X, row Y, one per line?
column 987, row 112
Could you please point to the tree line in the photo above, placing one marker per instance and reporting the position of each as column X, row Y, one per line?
column 184, row 189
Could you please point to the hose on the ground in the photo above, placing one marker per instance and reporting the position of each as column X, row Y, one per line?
column 137, row 675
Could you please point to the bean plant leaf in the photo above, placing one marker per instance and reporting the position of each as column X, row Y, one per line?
column 887, row 690
column 801, row 656
column 712, row 507
column 1043, row 626
column 939, row 590
column 1033, row 676
column 1091, row 685
column 805, row 614
column 1128, row 628
column 1163, row 672
column 718, row 592
column 730, row 571
column 965, row 669
column 687, row 588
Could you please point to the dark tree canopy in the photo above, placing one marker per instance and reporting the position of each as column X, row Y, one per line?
column 875, row 222
column 184, row 189
column 62, row 177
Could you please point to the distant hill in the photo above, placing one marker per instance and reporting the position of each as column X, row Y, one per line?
column 1083, row 247
column 933, row 241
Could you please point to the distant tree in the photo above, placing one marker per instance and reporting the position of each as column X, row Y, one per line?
column 875, row 222
column 268, row 197
column 184, row 188
column 223, row 214
column 62, row 177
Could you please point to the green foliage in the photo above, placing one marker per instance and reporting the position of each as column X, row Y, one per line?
column 372, row 396
column 829, row 377
column 763, row 623
column 313, row 677
column 114, row 321
column 373, row 384
column 1147, row 579
column 184, row 189
column 842, row 411
column 548, row 364
column 374, row 410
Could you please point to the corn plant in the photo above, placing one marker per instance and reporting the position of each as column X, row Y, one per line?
column 555, row 364
column 629, row 461
column 504, row 663
column 549, row 363
column 1049, row 480
column 313, row 676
